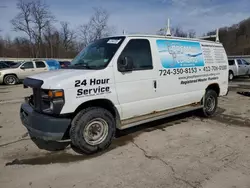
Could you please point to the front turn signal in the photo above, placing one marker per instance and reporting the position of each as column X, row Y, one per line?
column 55, row 94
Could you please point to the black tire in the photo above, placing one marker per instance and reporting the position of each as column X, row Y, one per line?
column 83, row 121
column 10, row 80
column 50, row 145
column 230, row 75
column 208, row 111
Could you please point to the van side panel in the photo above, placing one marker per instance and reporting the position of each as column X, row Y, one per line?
column 216, row 68
column 182, row 70
column 175, row 61
column 185, row 69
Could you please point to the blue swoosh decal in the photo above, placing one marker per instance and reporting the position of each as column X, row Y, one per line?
column 193, row 55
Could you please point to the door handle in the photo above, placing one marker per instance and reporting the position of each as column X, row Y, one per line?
column 155, row 84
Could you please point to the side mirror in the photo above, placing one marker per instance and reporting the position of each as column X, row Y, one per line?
column 22, row 67
column 125, row 64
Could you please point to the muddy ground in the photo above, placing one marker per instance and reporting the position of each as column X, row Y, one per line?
column 182, row 151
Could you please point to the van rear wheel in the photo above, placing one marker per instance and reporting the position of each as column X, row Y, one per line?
column 210, row 103
column 92, row 130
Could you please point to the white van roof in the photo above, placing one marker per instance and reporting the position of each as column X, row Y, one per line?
column 166, row 37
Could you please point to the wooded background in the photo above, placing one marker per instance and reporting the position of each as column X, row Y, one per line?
column 39, row 37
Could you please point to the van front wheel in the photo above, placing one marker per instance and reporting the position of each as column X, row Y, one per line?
column 92, row 130
column 210, row 103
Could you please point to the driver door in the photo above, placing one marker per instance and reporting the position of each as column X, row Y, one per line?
column 241, row 68
column 26, row 69
column 136, row 89
column 246, row 66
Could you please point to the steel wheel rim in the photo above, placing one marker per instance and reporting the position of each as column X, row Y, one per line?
column 96, row 131
column 210, row 104
column 10, row 80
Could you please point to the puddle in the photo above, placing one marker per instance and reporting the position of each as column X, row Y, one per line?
column 232, row 120
column 241, row 79
column 122, row 138
column 49, row 159
column 64, row 157
column 125, row 137
column 3, row 88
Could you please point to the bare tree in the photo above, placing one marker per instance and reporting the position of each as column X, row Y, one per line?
column 23, row 20
column 1, row 47
column 67, row 36
column 175, row 31
column 161, row 31
column 48, row 33
column 179, row 32
column 96, row 28
column 41, row 17
column 191, row 33
column 32, row 19
column 86, row 34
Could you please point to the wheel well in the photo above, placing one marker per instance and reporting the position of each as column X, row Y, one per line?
column 103, row 103
column 214, row 87
column 10, row 74
column 231, row 71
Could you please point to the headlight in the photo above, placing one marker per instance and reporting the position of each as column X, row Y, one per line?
column 52, row 101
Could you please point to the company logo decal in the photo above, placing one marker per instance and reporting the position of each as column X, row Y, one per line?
column 177, row 54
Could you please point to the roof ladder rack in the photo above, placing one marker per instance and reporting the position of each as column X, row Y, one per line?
column 168, row 30
column 209, row 37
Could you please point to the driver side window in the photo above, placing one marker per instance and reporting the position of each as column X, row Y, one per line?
column 140, row 52
column 28, row 65
column 239, row 62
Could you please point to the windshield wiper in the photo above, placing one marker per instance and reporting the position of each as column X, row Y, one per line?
column 82, row 65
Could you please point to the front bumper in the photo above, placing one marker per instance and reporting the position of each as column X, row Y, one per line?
column 42, row 126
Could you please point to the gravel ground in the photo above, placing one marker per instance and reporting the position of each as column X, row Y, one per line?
column 182, row 151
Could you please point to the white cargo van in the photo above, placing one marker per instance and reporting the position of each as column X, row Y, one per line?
column 120, row 82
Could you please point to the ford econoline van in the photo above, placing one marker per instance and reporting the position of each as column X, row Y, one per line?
column 120, row 82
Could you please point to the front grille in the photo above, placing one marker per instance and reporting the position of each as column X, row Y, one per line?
column 34, row 100
column 45, row 99
column 37, row 99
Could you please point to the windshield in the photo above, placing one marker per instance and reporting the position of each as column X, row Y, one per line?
column 16, row 65
column 98, row 54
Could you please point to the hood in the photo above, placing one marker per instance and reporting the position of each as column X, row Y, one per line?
column 54, row 79
column 4, row 69
column 8, row 70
